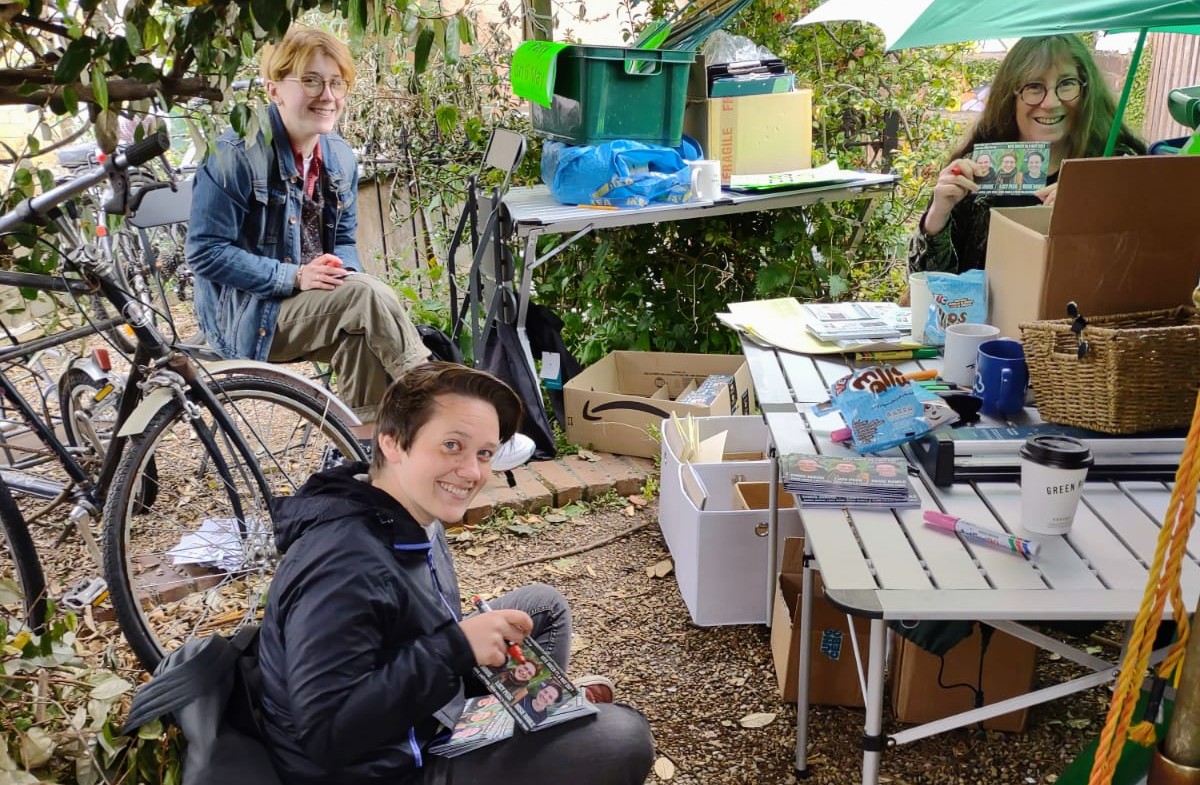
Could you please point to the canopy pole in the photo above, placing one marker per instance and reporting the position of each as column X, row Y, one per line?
column 1130, row 77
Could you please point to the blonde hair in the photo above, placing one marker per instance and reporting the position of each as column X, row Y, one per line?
column 293, row 54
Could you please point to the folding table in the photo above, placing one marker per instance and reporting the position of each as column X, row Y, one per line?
column 532, row 212
column 885, row 565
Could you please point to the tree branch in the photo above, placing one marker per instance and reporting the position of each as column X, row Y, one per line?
column 568, row 552
column 49, row 27
column 119, row 90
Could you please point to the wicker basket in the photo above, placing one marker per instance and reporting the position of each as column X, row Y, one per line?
column 1140, row 372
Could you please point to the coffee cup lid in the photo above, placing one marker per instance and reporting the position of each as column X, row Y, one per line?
column 1062, row 452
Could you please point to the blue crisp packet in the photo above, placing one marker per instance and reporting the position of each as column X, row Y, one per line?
column 954, row 299
column 881, row 408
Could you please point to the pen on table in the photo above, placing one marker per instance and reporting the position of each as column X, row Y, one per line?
column 925, row 353
column 597, row 207
column 979, row 534
column 514, row 650
column 922, row 376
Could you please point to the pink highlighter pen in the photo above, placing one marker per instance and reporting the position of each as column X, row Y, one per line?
column 976, row 533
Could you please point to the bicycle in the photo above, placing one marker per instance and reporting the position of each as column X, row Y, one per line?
column 196, row 453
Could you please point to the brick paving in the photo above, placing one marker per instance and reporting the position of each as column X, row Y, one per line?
column 561, row 481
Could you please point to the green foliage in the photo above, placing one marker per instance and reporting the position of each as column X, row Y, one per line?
column 1135, row 110
column 60, row 720
column 657, row 287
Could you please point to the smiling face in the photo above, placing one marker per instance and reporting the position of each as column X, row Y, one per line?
column 306, row 117
column 449, row 460
column 985, row 164
column 1008, row 163
column 545, row 698
column 1052, row 119
column 525, row 671
column 1033, row 162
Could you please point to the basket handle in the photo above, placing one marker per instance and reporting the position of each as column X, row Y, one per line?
column 647, row 62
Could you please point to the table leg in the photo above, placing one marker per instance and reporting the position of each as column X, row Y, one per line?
column 873, row 740
column 806, row 605
column 772, row 534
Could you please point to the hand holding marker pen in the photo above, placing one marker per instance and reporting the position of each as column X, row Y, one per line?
column 979, row 534
column 514, row 649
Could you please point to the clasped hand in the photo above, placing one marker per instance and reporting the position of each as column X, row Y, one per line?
column 488, row 634
column 323, row 272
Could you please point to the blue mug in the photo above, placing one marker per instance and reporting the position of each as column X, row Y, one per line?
column 1001, row 377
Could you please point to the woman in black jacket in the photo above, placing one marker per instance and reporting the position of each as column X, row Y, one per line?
column 365, row 655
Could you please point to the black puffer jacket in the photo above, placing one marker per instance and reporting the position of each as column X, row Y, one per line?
column 360, row 645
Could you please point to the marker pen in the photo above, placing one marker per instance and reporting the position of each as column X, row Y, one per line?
column 925, row 353
column 514, row 650
column 976, row 533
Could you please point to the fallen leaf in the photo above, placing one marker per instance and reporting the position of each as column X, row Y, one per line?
column 574, row 510
column 36, row 748
column 629, row 511
column 1079, row 723
column 110, row 688
column 590, row 571
column 555, row 517
column 453, row 532
column 478, row 550
column 567, row 563
column 660, row 570
column 489, row 537
column 587, row 455
column 757, row 719
column 519, row 528
column 638, row 501
column 664, row 769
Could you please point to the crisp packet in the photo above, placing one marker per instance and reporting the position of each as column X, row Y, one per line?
column 881, row 407
column 954, row 299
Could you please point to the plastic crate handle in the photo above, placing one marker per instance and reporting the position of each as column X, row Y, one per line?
column 634, row 64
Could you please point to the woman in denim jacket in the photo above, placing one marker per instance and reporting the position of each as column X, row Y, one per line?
column 272, row 236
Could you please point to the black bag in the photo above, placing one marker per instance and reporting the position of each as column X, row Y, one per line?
column 210, row 688
column 439, row 344
column 544, row 330
column 504, row 357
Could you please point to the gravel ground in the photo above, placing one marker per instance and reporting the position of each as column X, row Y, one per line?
column 695, row 684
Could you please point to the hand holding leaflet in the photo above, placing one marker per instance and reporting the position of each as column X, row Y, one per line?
column 975, row 533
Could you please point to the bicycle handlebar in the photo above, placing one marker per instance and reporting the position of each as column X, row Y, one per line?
column 33, row 208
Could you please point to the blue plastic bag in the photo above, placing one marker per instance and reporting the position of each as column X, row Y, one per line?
column 620, row 173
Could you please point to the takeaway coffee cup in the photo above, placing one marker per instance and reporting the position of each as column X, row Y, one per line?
column 920, row 300
column 706, row 180
column 1052, row 473
column 962, row 350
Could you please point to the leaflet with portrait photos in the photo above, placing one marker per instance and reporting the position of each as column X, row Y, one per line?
column 1011, row 167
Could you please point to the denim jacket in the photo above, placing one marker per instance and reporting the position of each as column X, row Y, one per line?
column 244, row 236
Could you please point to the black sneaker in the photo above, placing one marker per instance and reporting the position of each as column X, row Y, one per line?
column 333, row 457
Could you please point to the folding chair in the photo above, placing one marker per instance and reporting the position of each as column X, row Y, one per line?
column 489, row 279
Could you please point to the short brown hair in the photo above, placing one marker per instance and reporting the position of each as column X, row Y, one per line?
column 293, row 54
column 408, row 403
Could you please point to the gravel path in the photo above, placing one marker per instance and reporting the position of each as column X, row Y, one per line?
column 695, row 684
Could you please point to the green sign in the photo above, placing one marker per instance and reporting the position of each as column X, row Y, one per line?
column 532, row 73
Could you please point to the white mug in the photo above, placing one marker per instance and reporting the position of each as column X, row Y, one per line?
column 706, row 180
column 962, row 351
column 920, row 299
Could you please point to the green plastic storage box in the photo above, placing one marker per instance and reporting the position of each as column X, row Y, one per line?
column 604, row 93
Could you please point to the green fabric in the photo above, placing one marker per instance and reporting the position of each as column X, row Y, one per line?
column 954, row 21
column 1135, row 759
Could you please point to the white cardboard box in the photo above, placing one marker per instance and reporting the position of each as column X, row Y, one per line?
column 720, row 551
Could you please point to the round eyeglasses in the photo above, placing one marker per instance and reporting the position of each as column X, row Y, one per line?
column 1068, row 89
column 313, row 85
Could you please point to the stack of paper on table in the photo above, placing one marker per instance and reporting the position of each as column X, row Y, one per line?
column 847, row 481
column 784, row 323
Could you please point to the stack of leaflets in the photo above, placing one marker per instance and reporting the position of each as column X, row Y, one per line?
column 530, row 691
column 856, row 322
column 847, row 481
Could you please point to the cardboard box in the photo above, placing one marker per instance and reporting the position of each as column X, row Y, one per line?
column 753, row 134
column 743, row 458
column 833, row 674
column 1114, row 242
column 615, row 402
column 1007, row 672
column 720, row 552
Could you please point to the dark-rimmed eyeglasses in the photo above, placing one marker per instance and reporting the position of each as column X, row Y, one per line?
column 1068, row 89
column 314, row 85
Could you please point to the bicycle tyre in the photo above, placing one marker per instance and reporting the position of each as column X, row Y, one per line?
column 27, row 567
column 159, row 603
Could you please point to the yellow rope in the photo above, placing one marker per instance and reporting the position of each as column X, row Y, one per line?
column 1161, row 584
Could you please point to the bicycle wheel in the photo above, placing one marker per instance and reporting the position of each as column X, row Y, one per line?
column 199, row 559
column 86, row 421
column 22, row 583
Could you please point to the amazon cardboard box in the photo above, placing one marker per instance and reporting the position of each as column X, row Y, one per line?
column 1007, row 672
column 614, row 404
column 1117, row 240
column 753, row 134
column 833, row 674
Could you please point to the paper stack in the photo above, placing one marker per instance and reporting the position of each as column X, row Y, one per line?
column 847, row 481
